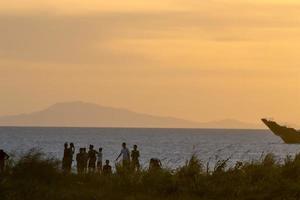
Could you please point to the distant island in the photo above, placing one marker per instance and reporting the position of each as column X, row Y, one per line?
column 81, row 114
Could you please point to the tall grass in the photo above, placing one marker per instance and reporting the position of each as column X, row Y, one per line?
column 36, row 177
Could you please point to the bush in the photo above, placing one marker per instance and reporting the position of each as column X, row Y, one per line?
column 36, row 176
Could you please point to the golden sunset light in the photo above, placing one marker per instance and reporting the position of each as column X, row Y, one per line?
column 197, row 60
column 150, row 100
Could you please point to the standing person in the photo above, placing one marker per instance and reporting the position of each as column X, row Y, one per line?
column 135, row 155
column 126, row 156
column 85, row 160
column 92, row 158
column 66, row 157
column 3, row 158
column 106, row 169
column 71, row 154
column 72, row 148
column 99, row 160
column 80, row 161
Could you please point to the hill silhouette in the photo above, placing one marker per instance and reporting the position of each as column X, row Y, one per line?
column 81, row 114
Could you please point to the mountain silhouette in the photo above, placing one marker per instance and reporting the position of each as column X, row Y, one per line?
column 81, row 114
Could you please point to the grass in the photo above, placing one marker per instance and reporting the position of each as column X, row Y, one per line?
column 36, row 177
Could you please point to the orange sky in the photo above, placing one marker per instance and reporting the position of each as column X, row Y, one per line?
column 199, row 60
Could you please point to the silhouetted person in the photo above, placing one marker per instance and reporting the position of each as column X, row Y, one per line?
column 135, row 154
column 99, row 160
column 92, row 158
column 154, row 164
column 66, row 157
column 85, row 160
column 72, row 151
column 72, row 147
column 3, row 158
column 80, row 158
column 106, row 168
column 126, row 156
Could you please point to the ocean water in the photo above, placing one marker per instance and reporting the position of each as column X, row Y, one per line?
column 172, row 146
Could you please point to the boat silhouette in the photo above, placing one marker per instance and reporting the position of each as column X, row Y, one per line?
column 287, row 134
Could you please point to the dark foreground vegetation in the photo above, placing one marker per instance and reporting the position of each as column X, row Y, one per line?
column 35, row 177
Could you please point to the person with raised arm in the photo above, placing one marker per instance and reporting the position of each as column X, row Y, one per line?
column 66, row 157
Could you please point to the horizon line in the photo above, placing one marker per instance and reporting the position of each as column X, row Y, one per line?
column 129, row 127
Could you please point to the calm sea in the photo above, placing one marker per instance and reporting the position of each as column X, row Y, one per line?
column 172, row 146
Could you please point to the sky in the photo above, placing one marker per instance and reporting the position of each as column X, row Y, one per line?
column 200, row 60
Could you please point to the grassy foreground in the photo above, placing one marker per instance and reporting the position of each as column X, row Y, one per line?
column 36, row 177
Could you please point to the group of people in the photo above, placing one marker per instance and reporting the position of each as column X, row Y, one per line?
column 91, row 161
